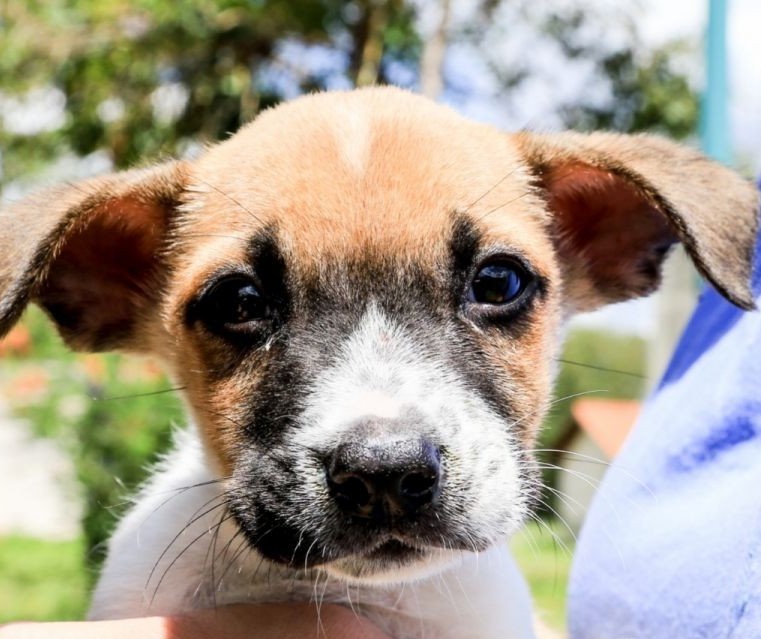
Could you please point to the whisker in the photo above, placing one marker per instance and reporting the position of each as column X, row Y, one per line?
column 504, row 204
column 603, row 369
column 183, row 551
column 554, row 402
column 589, row 459
column 476, row 201
column 557, row 400
column 200, row 484
column 212, row 549
column 220, row 235
column 232, row 420
column 183, row 530
column 593, row 482
column 232, row 199
column 555, row 537
column 573, row 504
column 177, row 492
column 561, row 519
column 136, row 395
column 240, row 550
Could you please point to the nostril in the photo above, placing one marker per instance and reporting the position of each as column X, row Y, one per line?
column 418, row 484
column 352, row 491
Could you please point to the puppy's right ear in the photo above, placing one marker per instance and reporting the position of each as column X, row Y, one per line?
column 90, row 254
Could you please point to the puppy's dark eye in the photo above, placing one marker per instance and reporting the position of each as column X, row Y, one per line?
column 234, row 303
column 499, row 283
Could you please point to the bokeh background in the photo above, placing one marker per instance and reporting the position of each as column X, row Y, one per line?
column 87, row 87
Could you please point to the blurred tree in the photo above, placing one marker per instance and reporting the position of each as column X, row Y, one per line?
column 587, row 59
column 648, row 94
column 143, row 78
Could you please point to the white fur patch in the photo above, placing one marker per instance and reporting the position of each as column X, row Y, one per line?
column 382, row 372
column 354, row 139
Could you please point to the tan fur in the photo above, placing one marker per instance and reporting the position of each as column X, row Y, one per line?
column 400, row 204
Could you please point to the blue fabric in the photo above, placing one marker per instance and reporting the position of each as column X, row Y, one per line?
column 671, row 548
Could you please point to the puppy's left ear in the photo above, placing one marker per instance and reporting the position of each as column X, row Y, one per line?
column 619, row 202
column 91, row 254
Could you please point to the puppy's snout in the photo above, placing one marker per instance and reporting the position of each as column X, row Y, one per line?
column 384, row 478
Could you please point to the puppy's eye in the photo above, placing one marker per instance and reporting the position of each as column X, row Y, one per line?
column 233, row 303
column 499, row 283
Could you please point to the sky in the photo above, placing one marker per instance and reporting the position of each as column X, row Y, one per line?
column 664, row 20
column 555, row 80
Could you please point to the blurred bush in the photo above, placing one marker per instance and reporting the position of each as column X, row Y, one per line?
column 42, row 580
column 114, row 414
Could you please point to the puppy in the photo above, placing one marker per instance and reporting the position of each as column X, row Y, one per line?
column 361, row 295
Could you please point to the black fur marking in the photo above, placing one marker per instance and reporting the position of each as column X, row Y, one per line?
column 466, row 257
column 269, row 275
column 270, row 268
column 275, row 500
column 278, row 399
column 463, row 250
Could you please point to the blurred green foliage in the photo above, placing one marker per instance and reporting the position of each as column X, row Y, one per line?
column 149, row 78
column 649, row 96
column 110, row 58
column 113, row 413
column 42, row 580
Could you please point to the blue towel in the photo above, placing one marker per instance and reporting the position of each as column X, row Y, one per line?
column 671, row 548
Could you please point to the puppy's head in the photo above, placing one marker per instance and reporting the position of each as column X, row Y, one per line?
column 361, row 293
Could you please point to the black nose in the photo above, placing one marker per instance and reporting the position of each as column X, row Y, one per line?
column 382, row 479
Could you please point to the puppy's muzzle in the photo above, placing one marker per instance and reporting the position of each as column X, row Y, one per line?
column 384, row 476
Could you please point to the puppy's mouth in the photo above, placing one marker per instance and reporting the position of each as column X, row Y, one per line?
column 374, row 549
column 362, row 553
column 394, row 550
column 381, row 562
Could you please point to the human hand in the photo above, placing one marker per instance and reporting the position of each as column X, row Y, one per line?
column 271, row 621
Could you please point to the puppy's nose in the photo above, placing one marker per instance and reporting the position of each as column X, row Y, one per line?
column 380, row 479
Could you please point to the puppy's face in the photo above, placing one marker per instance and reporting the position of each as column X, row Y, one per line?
column 361, row 294
column 367, row 332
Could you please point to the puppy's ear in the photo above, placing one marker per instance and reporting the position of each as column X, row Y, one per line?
column 90, row 254
column 619, row 202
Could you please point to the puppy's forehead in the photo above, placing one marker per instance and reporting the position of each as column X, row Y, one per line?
column 342, row 173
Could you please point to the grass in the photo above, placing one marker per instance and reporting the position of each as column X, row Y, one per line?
column 544, row 556
column 42, row 580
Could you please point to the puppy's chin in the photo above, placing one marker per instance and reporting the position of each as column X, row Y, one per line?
column 393, row 562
